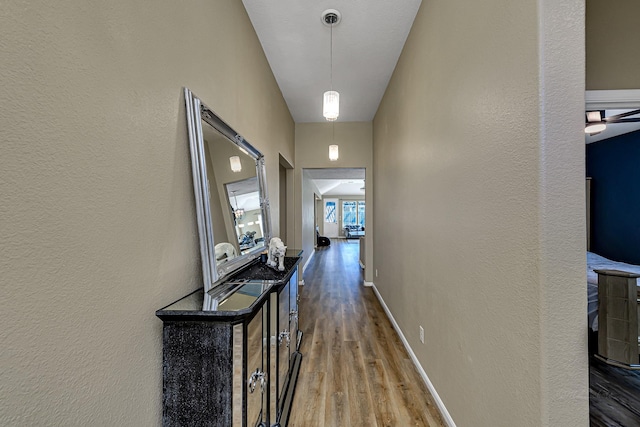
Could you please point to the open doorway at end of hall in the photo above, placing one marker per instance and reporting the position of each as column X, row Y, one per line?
column 285, row 202
column 339, row 201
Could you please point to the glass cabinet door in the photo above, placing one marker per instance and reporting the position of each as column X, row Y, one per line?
column 256, row 382
column 273, row 359
column 294, row 314
column 284, row 342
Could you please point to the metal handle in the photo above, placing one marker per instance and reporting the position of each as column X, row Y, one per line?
column 258, row 375
column 284, row 335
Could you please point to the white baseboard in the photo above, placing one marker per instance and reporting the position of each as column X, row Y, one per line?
column 443, row 410
column 369, row 284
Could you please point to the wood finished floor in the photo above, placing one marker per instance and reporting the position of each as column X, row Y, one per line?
column 614, row 395
column 355, row 370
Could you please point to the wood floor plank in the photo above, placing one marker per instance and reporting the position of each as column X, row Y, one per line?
column 311, row 402
column 417, row 389
column 355, row 370
column 358, row 388
column 381, row 396
column 316, row 353
column 614, row 395
column 337, row 410
column 350, row 322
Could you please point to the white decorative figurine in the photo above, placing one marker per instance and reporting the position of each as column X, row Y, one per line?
column 224, row 252
column 277, row 250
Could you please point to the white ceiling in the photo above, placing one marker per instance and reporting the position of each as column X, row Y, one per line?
column 366, row 46
column 338, row 181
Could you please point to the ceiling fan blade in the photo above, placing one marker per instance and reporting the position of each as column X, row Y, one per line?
column 617, row 117
column 628, row 120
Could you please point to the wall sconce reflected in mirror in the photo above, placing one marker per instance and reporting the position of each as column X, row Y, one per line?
column 236, row 166
column 333, row 153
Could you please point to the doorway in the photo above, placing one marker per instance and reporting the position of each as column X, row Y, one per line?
column 339, row 189
column 285, row 202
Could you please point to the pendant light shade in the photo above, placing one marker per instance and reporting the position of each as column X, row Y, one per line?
column 238, row 212
column 333, row 153
column 331, row 105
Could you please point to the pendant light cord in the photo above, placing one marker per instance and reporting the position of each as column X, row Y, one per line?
column 331, row 58
column 333, row 123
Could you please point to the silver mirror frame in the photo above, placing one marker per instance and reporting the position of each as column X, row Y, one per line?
column 196, row 112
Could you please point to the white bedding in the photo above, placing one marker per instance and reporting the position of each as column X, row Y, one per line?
column 597, row 262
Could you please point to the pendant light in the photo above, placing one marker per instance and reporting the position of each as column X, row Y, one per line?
column 238, row 212
column 331, row 98
column 333, row 148
column 333, row 153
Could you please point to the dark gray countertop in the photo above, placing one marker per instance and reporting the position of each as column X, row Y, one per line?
column 237, row 296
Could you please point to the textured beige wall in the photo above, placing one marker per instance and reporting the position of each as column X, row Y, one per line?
column 612, row 33
column 480, row 133
column 98, row 224
column 312, row 151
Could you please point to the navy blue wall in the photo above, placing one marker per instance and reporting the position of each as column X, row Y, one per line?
column 614, row 165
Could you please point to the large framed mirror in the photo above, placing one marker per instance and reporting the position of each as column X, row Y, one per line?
column 229, row 181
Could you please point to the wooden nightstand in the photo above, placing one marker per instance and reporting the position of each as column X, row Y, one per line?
column 618, row 318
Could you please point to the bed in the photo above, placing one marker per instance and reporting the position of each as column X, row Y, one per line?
column 597, row 262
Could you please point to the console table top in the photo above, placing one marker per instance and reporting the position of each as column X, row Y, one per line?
column 235, row 297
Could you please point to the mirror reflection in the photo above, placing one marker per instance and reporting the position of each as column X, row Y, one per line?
column 229, row 183
column 234, row 196
column 244, row 200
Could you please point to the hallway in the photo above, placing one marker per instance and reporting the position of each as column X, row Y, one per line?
column 355, row 370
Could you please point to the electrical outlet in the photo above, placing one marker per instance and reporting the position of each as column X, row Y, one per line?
column 421, row 334
column 376, row 272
